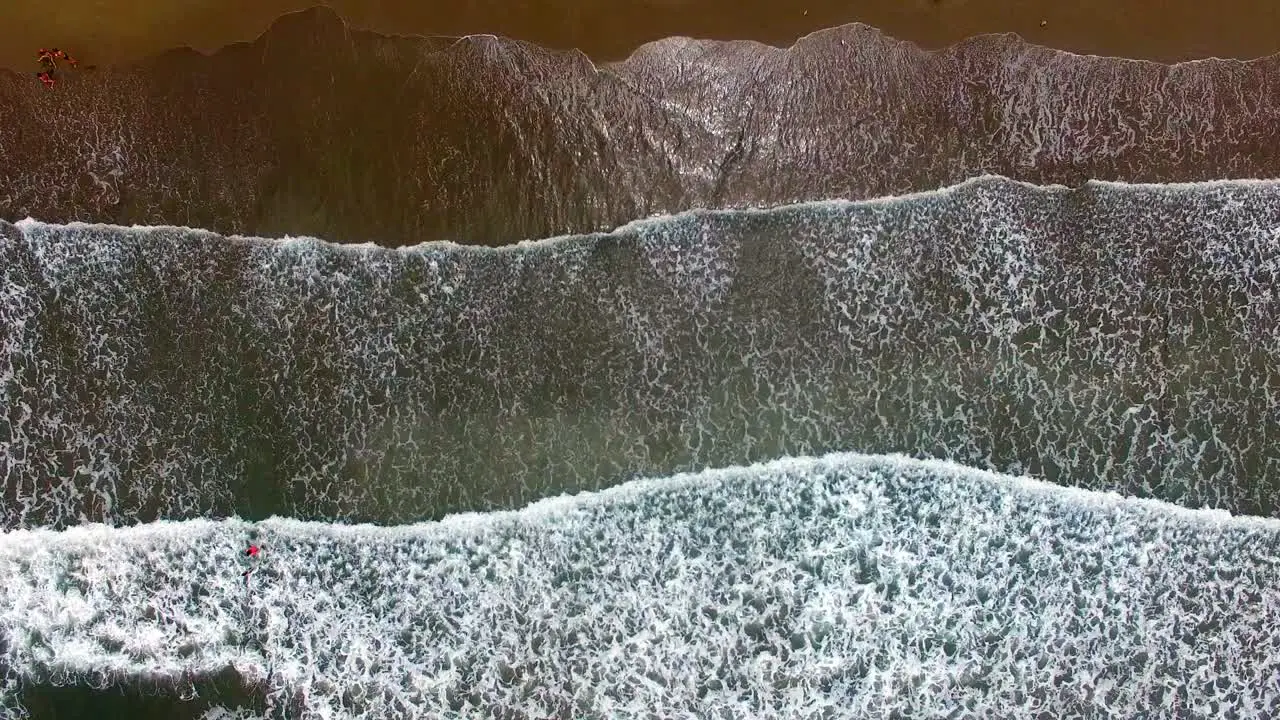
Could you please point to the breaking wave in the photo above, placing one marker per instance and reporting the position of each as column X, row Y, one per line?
column 847, row 586
column 1111, row 337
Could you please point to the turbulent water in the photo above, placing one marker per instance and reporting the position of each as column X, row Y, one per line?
column 1112, row 337
column 168, row 394
column 1109, row 337
column 847, row 586
column 323, row 130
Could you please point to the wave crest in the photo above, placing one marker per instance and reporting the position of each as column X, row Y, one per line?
column 855, row 584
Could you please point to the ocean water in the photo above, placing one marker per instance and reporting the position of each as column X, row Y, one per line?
column 1110, row 337
column 993, row 450
column 848, row 586
column 169, row 394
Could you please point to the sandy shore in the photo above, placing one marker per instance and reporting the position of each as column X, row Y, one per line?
column 114, row 31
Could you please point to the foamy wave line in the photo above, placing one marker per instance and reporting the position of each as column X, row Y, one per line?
column 995, row 181
column 860, row 585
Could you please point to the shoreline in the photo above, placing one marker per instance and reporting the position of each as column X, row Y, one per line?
column 479, row 140
column 1139, row 29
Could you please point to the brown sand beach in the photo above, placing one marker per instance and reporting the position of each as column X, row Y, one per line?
column 114, row 31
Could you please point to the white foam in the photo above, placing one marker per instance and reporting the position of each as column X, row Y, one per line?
column 973, row 275
column 659, row 220
column 854, row 584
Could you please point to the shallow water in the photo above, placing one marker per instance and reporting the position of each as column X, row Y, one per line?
column 191, row 389
column 846, row 586
column 322, row 130
column 1114, row 337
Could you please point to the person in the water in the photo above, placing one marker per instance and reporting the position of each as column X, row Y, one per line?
column 252, row 553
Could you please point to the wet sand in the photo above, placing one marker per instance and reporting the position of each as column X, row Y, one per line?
column 116, row 31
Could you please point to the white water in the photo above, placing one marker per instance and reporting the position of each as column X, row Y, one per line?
column 845, row 586
column 850, row 586
column 1120, row 337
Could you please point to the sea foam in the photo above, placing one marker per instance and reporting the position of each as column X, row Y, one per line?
column 845, row 586
column 1115, row 337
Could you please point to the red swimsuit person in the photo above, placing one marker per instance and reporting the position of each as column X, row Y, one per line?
column 252, row 554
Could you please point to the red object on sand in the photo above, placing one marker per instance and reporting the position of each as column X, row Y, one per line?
column 46, row 78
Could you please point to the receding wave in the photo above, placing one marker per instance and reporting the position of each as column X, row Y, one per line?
column 323, row 130
column 1110, row 337
column 848, row 586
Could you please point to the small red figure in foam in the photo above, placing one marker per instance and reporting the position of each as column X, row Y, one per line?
column 252, row 553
